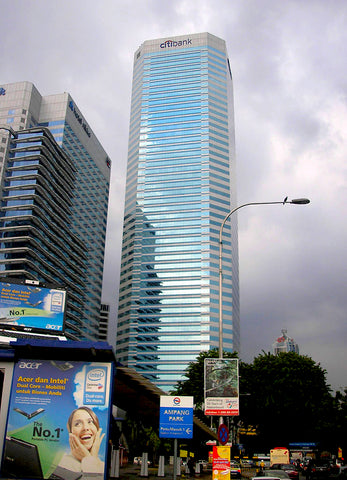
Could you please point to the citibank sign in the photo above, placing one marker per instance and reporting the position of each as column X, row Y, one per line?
column 179, row 43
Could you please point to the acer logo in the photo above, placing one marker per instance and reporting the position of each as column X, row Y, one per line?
column 30, row 365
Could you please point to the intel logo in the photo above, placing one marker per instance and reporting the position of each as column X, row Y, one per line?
column 95, row 375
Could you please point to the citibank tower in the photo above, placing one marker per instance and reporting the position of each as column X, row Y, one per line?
column 180, row 186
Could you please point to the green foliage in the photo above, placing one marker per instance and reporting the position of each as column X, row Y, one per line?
column 290, row 400
column 284, row 396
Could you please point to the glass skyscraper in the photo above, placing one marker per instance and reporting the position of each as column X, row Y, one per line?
column 54, row 189
column 180, row 185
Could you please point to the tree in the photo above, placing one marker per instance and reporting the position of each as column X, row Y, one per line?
column 340, row 403
column 284, row 396
column 290, row 400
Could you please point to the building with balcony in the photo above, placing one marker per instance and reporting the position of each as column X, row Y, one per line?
column 54, row 191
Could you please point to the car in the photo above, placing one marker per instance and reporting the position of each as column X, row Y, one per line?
column 320, row 470
column 281, row 474
column 342, row 475
column 287, row 467
column 261, row 477
column 138, row 461
column 235, row 469
column 203, row 464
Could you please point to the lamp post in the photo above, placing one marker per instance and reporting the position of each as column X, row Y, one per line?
column 296, row 201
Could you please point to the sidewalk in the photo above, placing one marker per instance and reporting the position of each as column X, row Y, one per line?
column 133, row 472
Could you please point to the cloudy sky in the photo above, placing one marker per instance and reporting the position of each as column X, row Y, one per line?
column 289, row 67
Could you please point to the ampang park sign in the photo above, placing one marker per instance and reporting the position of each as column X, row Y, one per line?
column 172, row 43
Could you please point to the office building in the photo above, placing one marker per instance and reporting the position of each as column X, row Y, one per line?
column 54, row 213
column 180, row 186
column 284, row 344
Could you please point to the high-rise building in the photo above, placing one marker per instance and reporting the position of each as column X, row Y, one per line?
column 54, row 189
column 284, row 344
column 180, row 186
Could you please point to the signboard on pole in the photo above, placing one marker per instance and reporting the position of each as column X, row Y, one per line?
column 58, row 419
column 221, row 463
column 221, row 386
column 176, row 417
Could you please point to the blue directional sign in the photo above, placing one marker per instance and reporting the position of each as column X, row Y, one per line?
column 176, row 417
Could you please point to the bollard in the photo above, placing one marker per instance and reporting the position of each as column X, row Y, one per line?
column 144, row 465
column 178, row 467
column 114, row 468
column 116, row 463
column 161, row 467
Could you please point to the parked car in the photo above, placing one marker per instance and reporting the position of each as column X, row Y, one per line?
column 235, row 469
column 287, row 467
column 138, row 461
column 203, row 464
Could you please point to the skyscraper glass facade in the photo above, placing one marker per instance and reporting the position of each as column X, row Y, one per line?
column 23, row 108
column 35, row 229
column 180, row 185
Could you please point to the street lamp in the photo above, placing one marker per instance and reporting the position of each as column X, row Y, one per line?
column 296, row 201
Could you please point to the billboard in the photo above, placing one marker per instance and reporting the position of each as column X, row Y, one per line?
column 58, row 420
column 221, row 463
column 221, row 386
column 31, row 307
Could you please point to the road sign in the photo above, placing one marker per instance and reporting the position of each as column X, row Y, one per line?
column 223, row 434
column 176, row 417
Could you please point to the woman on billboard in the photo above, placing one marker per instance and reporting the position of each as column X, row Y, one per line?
column 85, row 438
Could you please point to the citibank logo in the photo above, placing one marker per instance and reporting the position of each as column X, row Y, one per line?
column 172, row 43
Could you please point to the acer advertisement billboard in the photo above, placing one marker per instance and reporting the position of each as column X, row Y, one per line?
column 58, row 420
column 31, row 307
